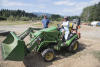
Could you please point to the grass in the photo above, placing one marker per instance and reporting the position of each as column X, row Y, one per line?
column 37, row 24
column 13, row 22
column 54, row 23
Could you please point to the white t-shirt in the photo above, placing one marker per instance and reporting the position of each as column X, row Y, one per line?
column 66, row 25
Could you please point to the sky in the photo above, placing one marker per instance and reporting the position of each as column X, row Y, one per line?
column 62, row 7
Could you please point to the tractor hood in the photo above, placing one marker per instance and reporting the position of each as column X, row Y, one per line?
column 51, row 29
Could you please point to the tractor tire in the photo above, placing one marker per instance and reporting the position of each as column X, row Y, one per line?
column 74, row 46
column 48, row 55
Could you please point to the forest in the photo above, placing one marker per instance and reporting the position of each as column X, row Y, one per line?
column 91, row 13
column 15, row 15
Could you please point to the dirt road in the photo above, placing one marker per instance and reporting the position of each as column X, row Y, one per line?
column 88, row 55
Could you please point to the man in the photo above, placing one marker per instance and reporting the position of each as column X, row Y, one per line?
column 45, row 22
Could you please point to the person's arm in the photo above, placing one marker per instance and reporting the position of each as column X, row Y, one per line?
column 42, row 23
column 61, row 25
column 48, row 22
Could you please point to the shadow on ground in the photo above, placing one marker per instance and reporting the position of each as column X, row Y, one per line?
column 63, row 54
column 35, row 60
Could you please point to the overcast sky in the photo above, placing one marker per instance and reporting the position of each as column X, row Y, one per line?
column 62, row 7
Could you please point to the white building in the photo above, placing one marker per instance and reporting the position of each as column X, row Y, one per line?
column 95, row 23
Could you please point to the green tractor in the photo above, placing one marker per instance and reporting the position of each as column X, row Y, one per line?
column 43, row 41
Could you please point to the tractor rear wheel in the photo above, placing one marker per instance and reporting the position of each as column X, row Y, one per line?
column 48, row 55
column 74, row 46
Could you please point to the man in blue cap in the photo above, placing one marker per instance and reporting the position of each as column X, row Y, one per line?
column 45, row 22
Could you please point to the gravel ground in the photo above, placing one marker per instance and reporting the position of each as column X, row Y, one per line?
column 87, row 56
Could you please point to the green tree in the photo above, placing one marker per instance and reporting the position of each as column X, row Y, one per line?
column 11, row 18
column 91, row 13
column 16, row 14
column 55, row 17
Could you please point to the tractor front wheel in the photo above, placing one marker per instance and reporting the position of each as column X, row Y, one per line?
column 48, row 55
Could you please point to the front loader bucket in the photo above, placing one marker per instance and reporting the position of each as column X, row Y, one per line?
column 13, row 48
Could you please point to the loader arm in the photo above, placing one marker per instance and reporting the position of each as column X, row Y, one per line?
column 27, row 32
